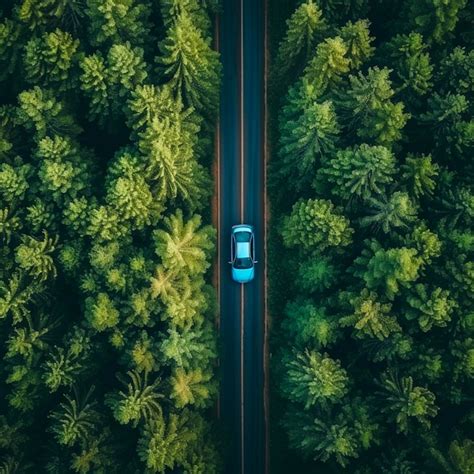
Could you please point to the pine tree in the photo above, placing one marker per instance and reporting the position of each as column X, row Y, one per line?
column 10, row 47
column 140, row 401
column 328, row 65
column 191, row 387
column 314, row 379
column 50, row 59
column 420, row 173
column 316, row 224
column 304, row 28
column 371, row 317
column 404, row 402
column 75, row 420
column 408, row 56
column 363, row 171
column 367, row 107
column 356, row 37
column 184, row 244
column 172, row 9
column 390, row 213
column 435, row 19
column 307, row 141
column 388, row 269
column 118, row 21
column 190, row 66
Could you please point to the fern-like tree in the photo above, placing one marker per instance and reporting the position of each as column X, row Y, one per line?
column 316, row 224
column 405, row 402
column 313, row 379
column 75, row 420
column 190, row 66
column 140, row 401
column 184, row 245
column 356, row 37
column 304, row 28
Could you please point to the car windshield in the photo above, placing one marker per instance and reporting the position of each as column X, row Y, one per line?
column 242, row 236
column 242, row 263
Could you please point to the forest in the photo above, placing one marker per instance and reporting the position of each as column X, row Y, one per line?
column 371, row 247
column 107, row 312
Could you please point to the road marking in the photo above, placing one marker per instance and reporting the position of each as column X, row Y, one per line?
column 242, row 89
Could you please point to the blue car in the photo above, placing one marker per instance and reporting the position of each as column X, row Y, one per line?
column 242, row 253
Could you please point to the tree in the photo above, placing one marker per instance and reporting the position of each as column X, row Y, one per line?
column 435, row 19
column 420, row 173
column 328, row 65
column 101, row 312
column 50, row 59
column 316, row 224
column 356, row 37
column 390, row 213
column 304, row 27
column 118, row 21
column 371, row 317
column 165, row 442
column 363, row 171
column 184, row 245
column 10, row 49
column 404, row 402
column 140, row 401
column 412, row 68
column 314, row 379
column 317, row 274
column 33, row 256
column 75, row 420
column 190, row 387
column 190, row 66
column 388, row 269
column 40, row 111
column 172, row 9
column 459, row 459
column 433, row 309
column 322, row 437
column 306, row 323
column 307, row 141
column 367, row 107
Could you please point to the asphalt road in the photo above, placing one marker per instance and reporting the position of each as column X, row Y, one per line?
column 241, row 200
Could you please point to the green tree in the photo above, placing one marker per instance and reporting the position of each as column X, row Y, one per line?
column 430, row 310
column 459, row 459
column 307, row 141
column 172, row 9
column 49, row 60
column 362, row 171
column 118, row 21
column 420, row 173
column 190, row 66
column 75, row 420
column 306, row 323
column 390, row 213
column 405, row 403
column 34, row 256
column 435, row 19
column 303, row 29
column 367, row 107
column 191, row 387
column 184, row 245
column 314, row 379
column 371, row 317
column 356, row 37
column 166, row 442
column 316, row 224
column 10, row 47
column 317, row 274
column 140, row 401
column 328, row 65
column 388, row 269
column 101, row 312
column 412, row 68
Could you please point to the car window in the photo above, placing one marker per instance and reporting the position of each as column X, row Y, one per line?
column 243, row 263
column 242, row 236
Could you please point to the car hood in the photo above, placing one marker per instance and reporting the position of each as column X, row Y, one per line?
column 243, row 275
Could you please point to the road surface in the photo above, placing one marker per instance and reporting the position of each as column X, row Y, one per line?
column 241, row 191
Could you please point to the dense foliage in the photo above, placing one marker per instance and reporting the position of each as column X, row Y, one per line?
column 107, row 340
column 372, row 247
